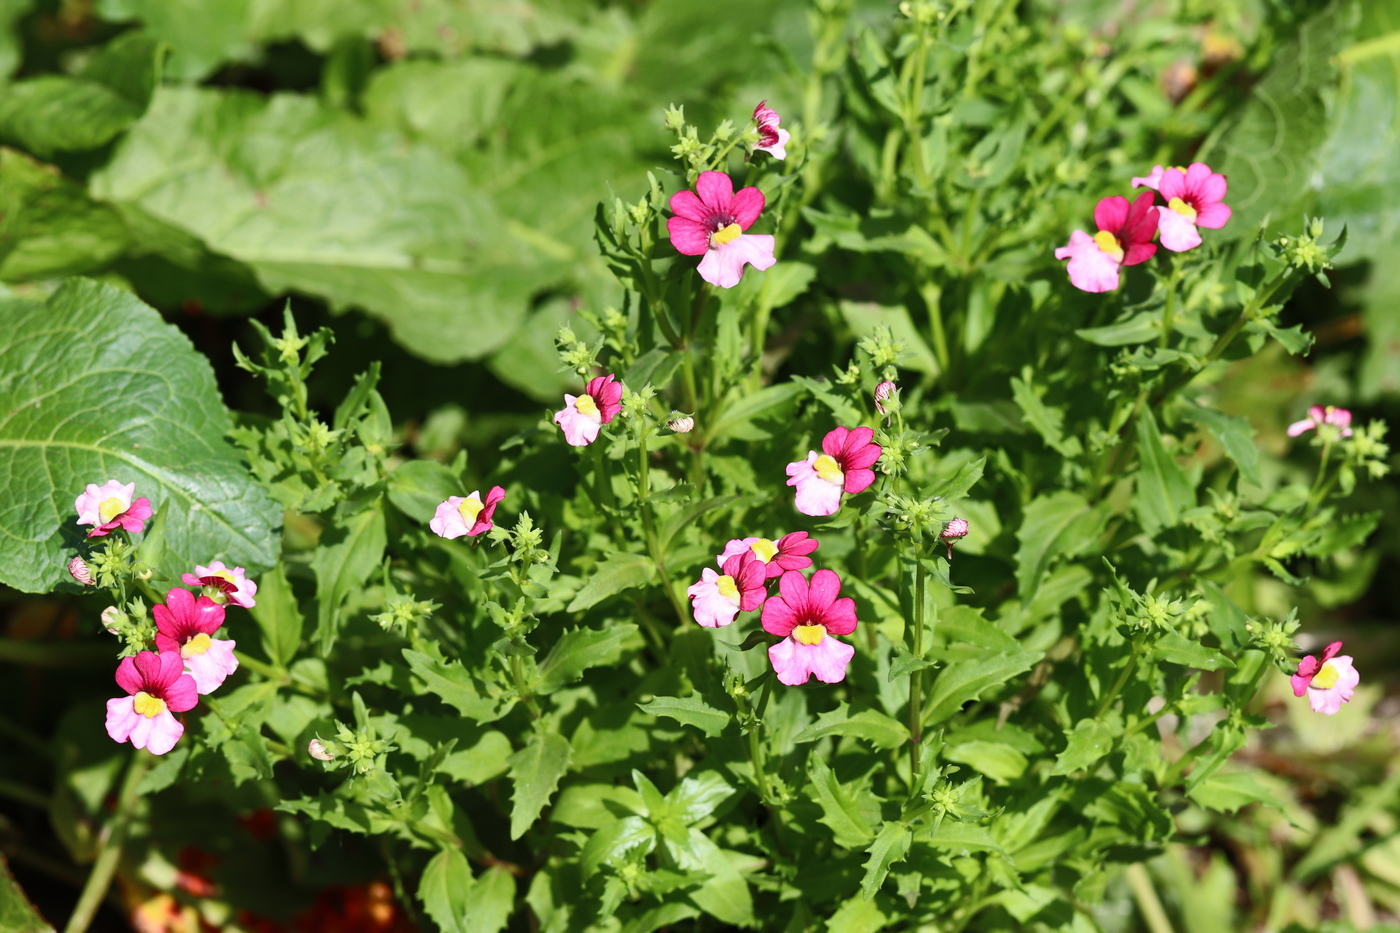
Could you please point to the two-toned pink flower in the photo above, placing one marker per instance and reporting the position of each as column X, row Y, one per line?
column 843, row 466
column 185, row 627
column 787, row 553
column 807, row 615
column 584, row 415
column 1328, row 682
column 710, row 222
column 223, row 584
column 771, row 139
column 468, row 515
column 1195, row 197
column 1318, row 415
column 717, row 599
column 157, row 687
column 1124, row 238
column 110, row 506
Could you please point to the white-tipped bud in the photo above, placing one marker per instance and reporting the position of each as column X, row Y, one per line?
column 682, row 425
column 884, row 391
column 317, row 749
column 81, row 571
column 112, row 619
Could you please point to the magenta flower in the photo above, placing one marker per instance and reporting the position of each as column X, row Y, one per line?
column 787, row 553
column 185, row 627
column 585, row 414
column 770, row 139
column 110, row 507
column 1318, row 416
column 1329, row 682
column 470, row 515
column 952, row 532
column 805, row 615
column 228, row 584
column 843, row 466
column 156, row 687
column 711, row 221
column 1124, row 239
column 1194, row 197
column 717, row 598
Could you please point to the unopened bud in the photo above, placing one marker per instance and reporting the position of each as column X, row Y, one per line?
column 112, row 619
column 882, row 392
column 80, row 571
column 682, row 425
column 953, row 531
column 317, row 749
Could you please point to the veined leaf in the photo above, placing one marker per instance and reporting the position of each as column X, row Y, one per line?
column 579, row 649
column 958, row 683
column 535, row 771
column 691, row 711
column 862, row 722
column 1163, row 492
column 616, row 572
column 839, row 811
column 889, row 848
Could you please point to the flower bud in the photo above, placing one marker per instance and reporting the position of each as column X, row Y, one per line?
column 952, row 532
column 112, row 619
column 682, row 425
column 80, row 571
column 883, row 391
column 317, row 749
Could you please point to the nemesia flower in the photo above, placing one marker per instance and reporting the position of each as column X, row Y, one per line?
column 770, row 139
column 717, row 598
column 1318, row 416
column 882, row 392
column 110, row 507
column 1154, row 178
column 953, row 531
column 1124, row 239
column 843, row 466
column 710, row 221
column 787, row 553
column 1329, row 682
column 1194, row 197
column 468, row 516
column 231, row 583
column 806, row 615
column 80, row 571
column 585, row 414
column 185, row 627
column 157, row 686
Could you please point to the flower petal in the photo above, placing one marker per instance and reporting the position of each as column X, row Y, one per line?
column 747, row 205
column 687, row 236
column 716, row 190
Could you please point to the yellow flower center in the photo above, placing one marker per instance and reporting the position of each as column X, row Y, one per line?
column 764, row 550
column 111, row 508
column 1182, row 208
column 1109, row 244
column 826, row 468
column 728, row 235
column 1326, row 678
column 224, row 575
column 196, row 646
column 147, row 705
column 728, row 588
column 471, row 506
column 586, row 406
column 809, row 634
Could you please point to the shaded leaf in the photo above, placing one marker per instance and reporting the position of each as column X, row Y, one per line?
column 861, row 722
column 579, row 649
column 690, row 711
column 889, row 848
column 535, row 771
column 956, row 684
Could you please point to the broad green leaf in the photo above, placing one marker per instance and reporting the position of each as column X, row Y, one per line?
column 490, row 901
column 956, row 684
column 17, row 915
column 857, row 915
column 861, row 722
column 697, row 795
column 997, row 760
column 889, row 848
column 1226, row 793
column 49, row 226
column 454, row 685
column 1089, row 741
column 535, row 771
column 1048, row 422
column 675, row 523
column 278, row 616
column 579, row 649
column 417, row 488
column 350, row 550
column 952, row 834
column 1139, row 328
column 1235, row 435
column 1061, row 524
column 617, row 571
column 1163, row 491
column 769, row 399
column 849, row 826
column 690, row 711
column 1176, row 648
column 10, row 50
column 725, row 894
column 957, row 485
column 95, row 386
column 444, row 888
column 879, row 231
column 614, row 840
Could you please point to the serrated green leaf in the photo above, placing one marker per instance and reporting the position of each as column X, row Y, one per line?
column 444, row 888
column 454, row 685
column 350, row 550
column 753, row 405
column 690, row 711
column 997, row 760
column 952, row 834
column 859, row 721
column 956, row 684
column 1056, row 525
column 1176, row 648
column 1139, row 328
column 1089, row 740
column 1162, row 492
column 95, row 386
column 848, row 825
column 1048, row 422
column 579, row 649
column 697, row 795
column 17, row 915
column 535, row 771
column 616, row 572
column 957, row 485
column 417, row 487
column 490, row 901
column 1226, row 793
column 278, row 616
column 725, row 894
column 889, row 848
column 1235, row 435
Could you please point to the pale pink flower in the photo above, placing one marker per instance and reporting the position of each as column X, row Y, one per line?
column 157, row 687
column 710, row 221
column 717, row 599
column 952, row 532
column 110, row 507
column 185, row 627
column 1153, row 178
column 230, row 584
column 1318, row 416
column 1194, row 197
column 806, row 615
column 770, row 139
column 1124, row 239
column 1328, row 682
column 842, row 466
column 80, row 571
column 787, row 553
column 469, row 515
column 584, row 415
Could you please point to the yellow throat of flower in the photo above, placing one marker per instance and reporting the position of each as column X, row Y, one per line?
column 196, row 646
column 224, row 575
column 1182, row 208
column 147, row 705
column 728, row 235
column 110, row 508
column 809, row 634
column 826, row 468
column 1109, row 244
column 1326, row 678
column 728, row 588
column 585, row 405
column 764, row 550
column 471, row 506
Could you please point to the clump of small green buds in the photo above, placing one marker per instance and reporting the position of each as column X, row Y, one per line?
column 132, row 625
column 404, row 612
column 883, row 350
column 1368, row 450
column 360, row 750
column 1153, row 612
column 1275, row 638
column 636, row 404
column 1305, row 252
column 897, row 447
column 316, row 437
column 576, row 355
column 674, row 118
column 917, row 519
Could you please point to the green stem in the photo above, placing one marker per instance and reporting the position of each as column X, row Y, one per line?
column 1320, row 485
column 1150, row 906
column 23, row 794
column 1122, row 680
column 658, row 557
column 517, row 673
column 916, row 679
column 109, row 847
column 1169, row 309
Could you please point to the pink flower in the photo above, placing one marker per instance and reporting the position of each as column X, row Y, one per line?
column 882, row 392
column 843, row 466
column 1124, row 239
column 109, row 507
column 1328, row 683
column 770, row 139
column 231, row 584
column 156, row 687
column 788, row 553
column 585, row 414
column 184, row 628
column 468, row 516
column 1153, row 178
column 1318, row 416
column 953, row 531
column 717, row 599
column 1194, row 199
column 806, row 615
column 712, row 225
